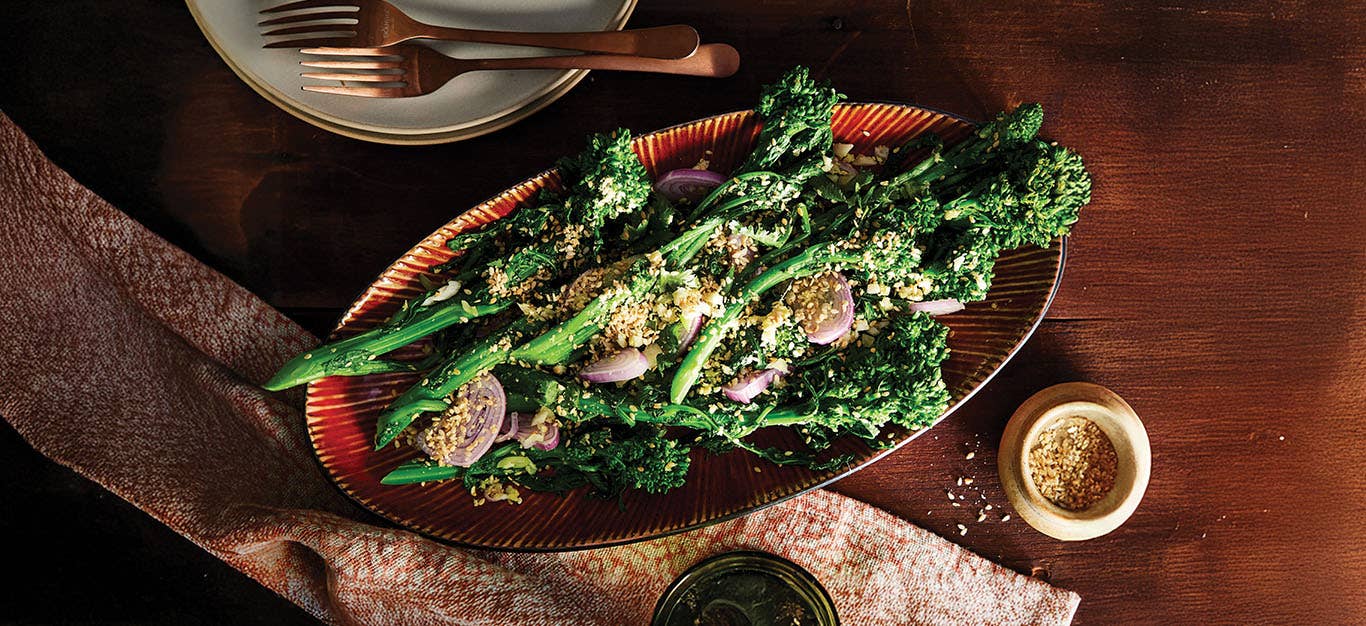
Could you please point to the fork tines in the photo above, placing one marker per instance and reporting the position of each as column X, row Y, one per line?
column 378, row 65
column 334, row 25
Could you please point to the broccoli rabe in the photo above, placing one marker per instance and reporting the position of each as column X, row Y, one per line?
column 891, row 377
column 741, row 300
column 500, row 262
column 796, row 132
column 609, row 459
column 605, row 182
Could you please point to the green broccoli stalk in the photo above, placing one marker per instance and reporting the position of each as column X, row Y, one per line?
column 999, row 136
column 359, row 355
column 429, row 394
column 529, row 390
column 607, row 184
column 813, row 260
column 611, row 459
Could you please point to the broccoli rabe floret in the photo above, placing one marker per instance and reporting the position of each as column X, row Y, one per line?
column 893, row 376
column 1053, row 187
column 645, row 459
column 606, row 181
column 796, row 114
column 960, row 267
column 611, row 459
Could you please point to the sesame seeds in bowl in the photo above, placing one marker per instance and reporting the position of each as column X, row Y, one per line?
column 1075, row 461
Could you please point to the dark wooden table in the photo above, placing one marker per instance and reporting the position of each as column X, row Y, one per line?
column 1218, row 281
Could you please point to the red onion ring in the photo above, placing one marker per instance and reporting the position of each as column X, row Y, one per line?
column 688, row 184
column 509, row 429
column 625, row 364
column 937, row 307
column 692, row 324
column 549, row 440
column 835, row 296
column 487, row 405
column 542, row 436
column 552, row 437
column 745, row 388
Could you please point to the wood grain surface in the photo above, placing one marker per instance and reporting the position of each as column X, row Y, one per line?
column 1218, row 281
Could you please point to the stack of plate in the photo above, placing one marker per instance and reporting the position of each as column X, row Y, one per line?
column 471, row 105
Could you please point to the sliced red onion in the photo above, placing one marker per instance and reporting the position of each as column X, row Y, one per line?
column 692, row 324
column 744, row 388
column 837, row 307
column 552, row 437
column 483, row 397
column 626, row 364
column 688, row 184
column 937, row 307
column 542, row 441
column 542, row 433
column 510, row 424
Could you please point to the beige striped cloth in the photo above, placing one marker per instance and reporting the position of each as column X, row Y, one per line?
column 135, row 365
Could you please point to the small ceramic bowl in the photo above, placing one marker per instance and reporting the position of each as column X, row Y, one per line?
column 1119, row 423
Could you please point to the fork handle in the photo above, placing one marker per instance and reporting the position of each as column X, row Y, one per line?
column 713, row 60
column 663, row 42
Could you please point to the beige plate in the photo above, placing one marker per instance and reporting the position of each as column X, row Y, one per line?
column 473, row 105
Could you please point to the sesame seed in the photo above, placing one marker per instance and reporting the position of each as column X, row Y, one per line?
column 1073, row 463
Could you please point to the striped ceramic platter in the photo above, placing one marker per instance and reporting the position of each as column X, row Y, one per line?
column 341, row 412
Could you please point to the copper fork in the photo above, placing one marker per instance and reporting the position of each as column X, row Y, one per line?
column 406, row 71
column 376, row 23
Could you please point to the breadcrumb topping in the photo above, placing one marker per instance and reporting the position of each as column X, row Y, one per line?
column 810, row 301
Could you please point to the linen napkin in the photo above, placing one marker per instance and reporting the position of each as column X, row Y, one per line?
column 135, row 365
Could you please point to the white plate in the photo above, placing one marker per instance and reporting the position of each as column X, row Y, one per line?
column 470, row 105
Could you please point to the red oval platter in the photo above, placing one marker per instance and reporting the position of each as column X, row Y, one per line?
column 341, row 412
